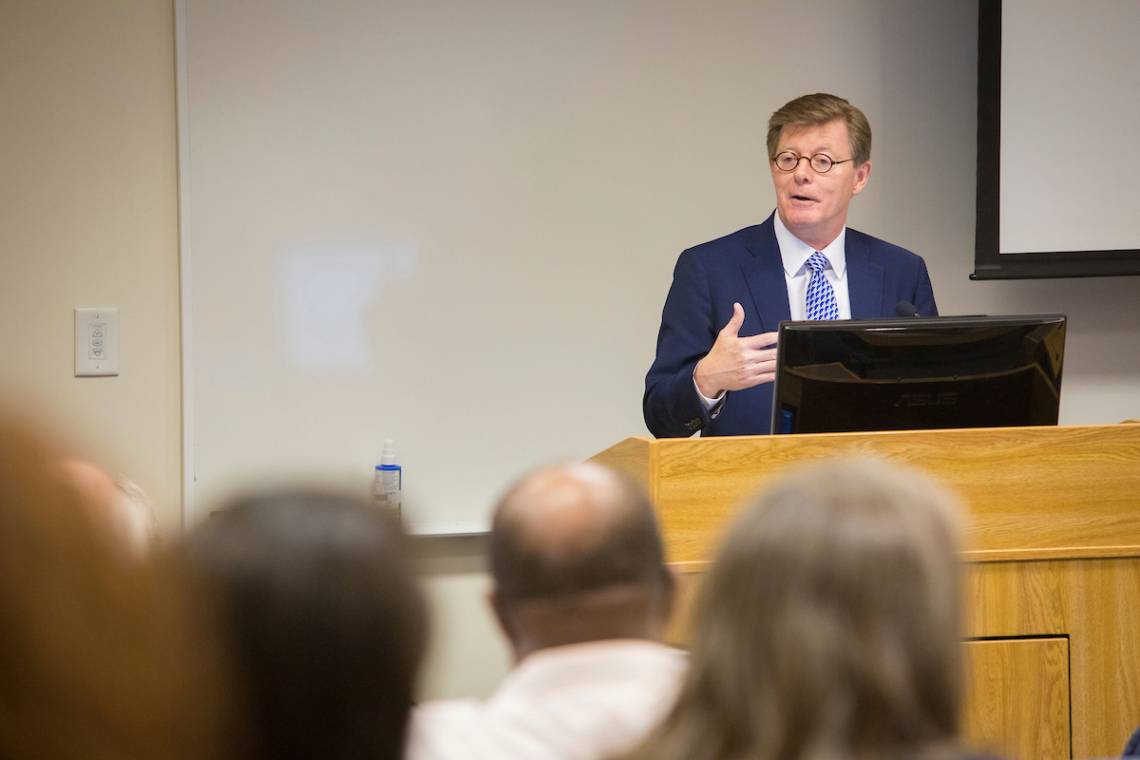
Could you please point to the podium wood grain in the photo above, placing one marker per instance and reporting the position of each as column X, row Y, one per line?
column 1053, row 544
column 1018, row 682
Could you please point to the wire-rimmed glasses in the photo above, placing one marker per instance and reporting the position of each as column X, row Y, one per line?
column 821, row 163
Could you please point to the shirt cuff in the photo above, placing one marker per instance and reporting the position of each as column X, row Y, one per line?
column 712, row 405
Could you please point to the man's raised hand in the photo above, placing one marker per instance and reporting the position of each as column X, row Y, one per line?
column 734, row 362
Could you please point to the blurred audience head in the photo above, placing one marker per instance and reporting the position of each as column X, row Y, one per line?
column 119, row 503
column 137, row 510
column 326, row 624
column 101, row 656
column 576, row 556
column 829, row 625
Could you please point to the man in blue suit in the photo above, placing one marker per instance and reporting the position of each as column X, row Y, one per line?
column 716, row 352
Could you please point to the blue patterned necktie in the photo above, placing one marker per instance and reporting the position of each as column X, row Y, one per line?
column 820, row 296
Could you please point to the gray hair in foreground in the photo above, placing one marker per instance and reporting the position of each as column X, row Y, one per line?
column 829, row 625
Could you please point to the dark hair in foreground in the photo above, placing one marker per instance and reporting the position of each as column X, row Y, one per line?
column 326, row 623
column 103, row 655
column 829, row 625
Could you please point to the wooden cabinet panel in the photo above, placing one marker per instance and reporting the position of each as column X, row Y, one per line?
column 1017, row 698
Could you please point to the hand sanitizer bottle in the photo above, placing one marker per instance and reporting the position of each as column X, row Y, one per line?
column 388, row 479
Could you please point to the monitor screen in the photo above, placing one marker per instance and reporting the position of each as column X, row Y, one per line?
column 916, row 373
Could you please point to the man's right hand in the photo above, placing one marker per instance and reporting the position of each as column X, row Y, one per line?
column 735, row 363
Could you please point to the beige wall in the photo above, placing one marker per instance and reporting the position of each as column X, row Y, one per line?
column 89, row 216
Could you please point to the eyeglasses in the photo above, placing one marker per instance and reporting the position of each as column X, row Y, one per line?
column 788, row 160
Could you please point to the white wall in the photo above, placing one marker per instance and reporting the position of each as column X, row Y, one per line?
column 89, row 216
column 468, row 656
column 1061, row 61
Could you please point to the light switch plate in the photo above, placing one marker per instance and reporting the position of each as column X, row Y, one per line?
column 96, row 341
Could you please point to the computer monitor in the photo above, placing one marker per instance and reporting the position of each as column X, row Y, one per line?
column 918, row 373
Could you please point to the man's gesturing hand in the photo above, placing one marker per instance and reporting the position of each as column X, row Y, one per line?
column 735, row 363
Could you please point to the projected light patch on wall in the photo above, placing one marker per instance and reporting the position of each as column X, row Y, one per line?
column 326, row 295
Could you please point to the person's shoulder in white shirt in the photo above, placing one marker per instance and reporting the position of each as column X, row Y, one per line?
column 582, row 594
column 576, row 702
column 795, row 252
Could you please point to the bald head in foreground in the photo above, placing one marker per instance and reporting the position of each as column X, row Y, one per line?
column 576, row 556
column 582, row 594
column 120, row 506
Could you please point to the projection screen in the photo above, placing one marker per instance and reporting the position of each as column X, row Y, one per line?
column 1058, row 116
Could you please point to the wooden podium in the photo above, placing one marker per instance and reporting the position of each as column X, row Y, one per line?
column 1053, row 553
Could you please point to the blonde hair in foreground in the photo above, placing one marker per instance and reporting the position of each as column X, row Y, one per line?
column 102, row 656
column 829, row 625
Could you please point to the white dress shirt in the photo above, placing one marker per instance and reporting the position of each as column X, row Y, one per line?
column 795, row 254
column 578, row 702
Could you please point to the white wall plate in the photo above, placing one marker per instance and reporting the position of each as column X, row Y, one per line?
column 96, row 341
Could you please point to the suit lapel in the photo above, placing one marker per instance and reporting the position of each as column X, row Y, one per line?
column 764, row 273
column 864, row 280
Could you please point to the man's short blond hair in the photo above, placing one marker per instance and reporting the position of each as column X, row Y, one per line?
column 821, row 108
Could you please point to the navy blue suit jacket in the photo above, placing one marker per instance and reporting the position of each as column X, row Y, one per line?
column 746, row 267
column 1132, row 748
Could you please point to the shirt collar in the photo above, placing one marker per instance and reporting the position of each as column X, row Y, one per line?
column 795, row 252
